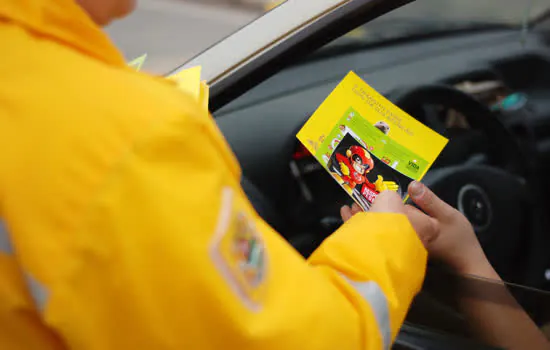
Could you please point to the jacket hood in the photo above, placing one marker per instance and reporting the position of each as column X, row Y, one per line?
column 63, row 21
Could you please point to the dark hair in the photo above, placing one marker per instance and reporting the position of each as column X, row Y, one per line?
column 356, row 158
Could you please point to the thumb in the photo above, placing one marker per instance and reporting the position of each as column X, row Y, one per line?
column 428, row 201
column 388, row 202
column 426, row 228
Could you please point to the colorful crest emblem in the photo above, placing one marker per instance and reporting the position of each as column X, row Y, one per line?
column 248, row 251
column 239, row 253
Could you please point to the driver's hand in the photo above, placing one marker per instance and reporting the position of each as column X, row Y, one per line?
column 454, row 242
column 391, row 202
column 346, row 212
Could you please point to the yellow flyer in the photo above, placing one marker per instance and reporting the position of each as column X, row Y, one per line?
column 188, row 80
column 367, row 143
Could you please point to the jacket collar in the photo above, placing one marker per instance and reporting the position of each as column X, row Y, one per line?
column 63, row 21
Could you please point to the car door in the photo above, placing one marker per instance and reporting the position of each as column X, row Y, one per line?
column 282, row 36
column 259, row 50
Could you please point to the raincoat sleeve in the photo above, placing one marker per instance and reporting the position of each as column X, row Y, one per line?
column 173, row 256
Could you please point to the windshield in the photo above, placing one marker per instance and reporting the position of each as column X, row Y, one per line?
column 171, row 32
column 511, row 12
column 425, row 17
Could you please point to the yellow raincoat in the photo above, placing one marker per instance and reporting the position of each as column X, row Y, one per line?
column 125, row 226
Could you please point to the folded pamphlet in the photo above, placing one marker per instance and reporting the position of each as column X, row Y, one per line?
column 367, row 144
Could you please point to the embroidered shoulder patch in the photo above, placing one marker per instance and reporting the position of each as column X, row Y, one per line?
column 238, row 250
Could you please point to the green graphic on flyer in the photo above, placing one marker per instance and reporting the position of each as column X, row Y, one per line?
column 375, row 141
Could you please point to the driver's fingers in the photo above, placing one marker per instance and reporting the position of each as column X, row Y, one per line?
column 426, row 228
column 355, row 208
column 345, row 212
column 428, row 201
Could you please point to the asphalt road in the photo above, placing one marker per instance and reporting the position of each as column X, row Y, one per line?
column 173, row 31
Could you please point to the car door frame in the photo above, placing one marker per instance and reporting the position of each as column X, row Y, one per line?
column 295, row 29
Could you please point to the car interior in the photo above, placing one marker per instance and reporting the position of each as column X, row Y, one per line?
column 485, row 88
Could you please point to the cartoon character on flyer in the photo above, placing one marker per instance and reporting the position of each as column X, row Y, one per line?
column 351, row 169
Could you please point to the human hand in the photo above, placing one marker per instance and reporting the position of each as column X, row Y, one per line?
column 347, row 212
column 391, row 202
column 451, row 237
column 385, row 202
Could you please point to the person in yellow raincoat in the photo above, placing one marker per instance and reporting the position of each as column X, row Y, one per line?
column 107, row 242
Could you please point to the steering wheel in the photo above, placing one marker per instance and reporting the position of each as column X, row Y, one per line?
column 494, row 196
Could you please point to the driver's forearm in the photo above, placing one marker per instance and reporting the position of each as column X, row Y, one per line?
column 495, row 316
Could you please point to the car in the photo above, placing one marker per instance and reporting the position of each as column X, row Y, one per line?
column 476, row 71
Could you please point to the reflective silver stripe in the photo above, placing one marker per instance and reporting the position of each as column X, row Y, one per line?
column 374, row 295
column 38, row 292
column 5, row 243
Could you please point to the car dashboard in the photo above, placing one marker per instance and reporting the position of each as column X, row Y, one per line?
column 508, row 72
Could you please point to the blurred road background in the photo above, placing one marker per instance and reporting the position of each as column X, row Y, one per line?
column 172, row 31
